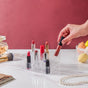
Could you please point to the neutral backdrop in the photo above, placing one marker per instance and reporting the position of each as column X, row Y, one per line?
column 22, row 21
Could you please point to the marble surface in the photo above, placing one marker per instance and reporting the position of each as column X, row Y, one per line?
column 64, row 65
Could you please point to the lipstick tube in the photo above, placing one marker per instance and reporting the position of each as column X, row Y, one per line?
column 36, row 61
column 33, row 45
column 47, row 49
column 32, row 53
column 47, row 67
column 36, row 55
column 59, row 46
column 41, row 52
column 42, row 60
column 28, row 60
column 45, row 56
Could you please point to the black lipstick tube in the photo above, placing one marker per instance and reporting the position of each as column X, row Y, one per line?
column 47, row 67
column 28, row 62
column 45, row 56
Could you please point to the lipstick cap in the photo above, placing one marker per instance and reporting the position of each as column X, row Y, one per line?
column 60, row 43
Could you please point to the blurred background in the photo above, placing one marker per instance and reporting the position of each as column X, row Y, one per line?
column 22, row 21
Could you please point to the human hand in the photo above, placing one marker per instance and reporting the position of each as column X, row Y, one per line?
column 72, row 31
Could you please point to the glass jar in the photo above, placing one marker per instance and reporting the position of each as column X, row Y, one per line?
column 3, row 45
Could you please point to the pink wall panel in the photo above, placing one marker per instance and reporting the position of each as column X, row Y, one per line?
column 41, row 20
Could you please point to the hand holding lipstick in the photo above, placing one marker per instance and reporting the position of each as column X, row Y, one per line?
column 72, row 31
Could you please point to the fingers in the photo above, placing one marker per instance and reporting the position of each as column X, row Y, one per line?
column 60, row 35
column 67, row 39
column 64, row 32
column 69, row 42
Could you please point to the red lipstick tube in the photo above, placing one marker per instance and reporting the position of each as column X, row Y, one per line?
column 59, row 46
column 41, row 52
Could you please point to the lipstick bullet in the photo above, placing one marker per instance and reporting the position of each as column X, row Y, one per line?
column 47, row 48
column 28, row 60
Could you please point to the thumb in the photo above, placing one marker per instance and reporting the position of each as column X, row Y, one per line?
column 67, row 39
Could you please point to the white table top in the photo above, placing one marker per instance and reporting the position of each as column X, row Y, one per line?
column 67, row 64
